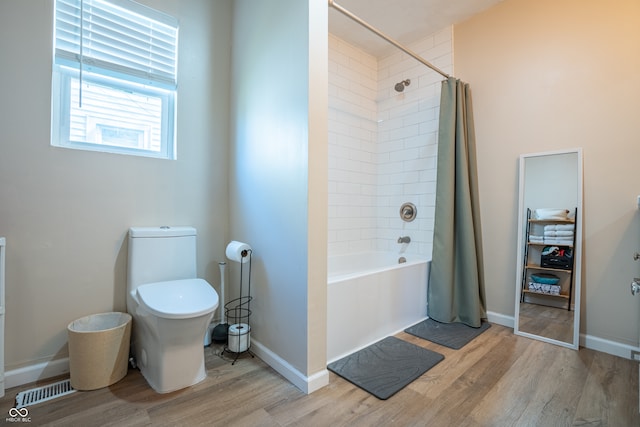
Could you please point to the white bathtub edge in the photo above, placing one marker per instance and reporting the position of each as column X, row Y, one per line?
column 333, row 277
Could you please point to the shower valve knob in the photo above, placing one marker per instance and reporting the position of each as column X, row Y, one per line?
column 636, row 256
column 635, row 286
column 408, row 212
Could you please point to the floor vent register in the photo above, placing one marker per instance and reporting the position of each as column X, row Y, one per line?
column 42, row 394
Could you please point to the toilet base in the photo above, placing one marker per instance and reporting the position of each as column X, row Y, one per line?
column 173, row 359
column 165, row 378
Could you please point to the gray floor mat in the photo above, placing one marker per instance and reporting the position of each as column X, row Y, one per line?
column 452, row 335
column 384, row 368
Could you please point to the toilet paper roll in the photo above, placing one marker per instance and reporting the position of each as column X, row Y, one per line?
column 239, row 337
column 238, row 251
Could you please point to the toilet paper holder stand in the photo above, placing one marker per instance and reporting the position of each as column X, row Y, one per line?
column 238, row 315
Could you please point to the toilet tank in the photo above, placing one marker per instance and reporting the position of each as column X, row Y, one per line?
column 158, row 254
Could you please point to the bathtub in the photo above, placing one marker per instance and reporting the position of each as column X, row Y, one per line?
column 371, row 296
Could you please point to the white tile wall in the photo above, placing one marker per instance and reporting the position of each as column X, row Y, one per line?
column 383, row 145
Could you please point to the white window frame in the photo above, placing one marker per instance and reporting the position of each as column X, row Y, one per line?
column 155, row 79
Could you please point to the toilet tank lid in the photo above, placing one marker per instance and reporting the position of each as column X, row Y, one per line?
column 163, row 231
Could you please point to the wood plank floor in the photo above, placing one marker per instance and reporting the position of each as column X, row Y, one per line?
column 551, row 322
column 498, row 379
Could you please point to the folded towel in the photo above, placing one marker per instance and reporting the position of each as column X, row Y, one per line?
column 552, row 213
column 558, row 233
column 565, row 227
column 559, row 227
column 562, row 240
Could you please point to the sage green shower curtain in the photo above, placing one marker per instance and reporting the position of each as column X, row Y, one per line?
column 456, row 281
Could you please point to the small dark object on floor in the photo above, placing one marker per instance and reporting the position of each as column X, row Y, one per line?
column 220, row 333
column 386, row 367
column 452, row 335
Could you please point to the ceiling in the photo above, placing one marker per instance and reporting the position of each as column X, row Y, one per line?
column 405, row 21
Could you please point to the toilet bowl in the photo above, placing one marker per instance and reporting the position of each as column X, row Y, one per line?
column 171, row 308
column 170, row 320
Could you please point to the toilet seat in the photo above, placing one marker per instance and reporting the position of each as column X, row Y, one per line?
column 178, row 299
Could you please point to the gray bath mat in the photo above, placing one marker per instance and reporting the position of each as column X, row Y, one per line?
column 452, row 335
column 384, row 368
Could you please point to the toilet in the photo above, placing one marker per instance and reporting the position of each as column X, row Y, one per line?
column 171, row 307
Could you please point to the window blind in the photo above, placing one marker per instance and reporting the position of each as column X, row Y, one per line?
column 118, row 38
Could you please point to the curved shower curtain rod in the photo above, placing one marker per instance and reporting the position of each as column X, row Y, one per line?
column 365, row 24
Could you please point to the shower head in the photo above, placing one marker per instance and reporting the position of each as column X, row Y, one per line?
column 399, row 87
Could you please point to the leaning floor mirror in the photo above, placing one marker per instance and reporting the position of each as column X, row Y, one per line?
column 547, row 305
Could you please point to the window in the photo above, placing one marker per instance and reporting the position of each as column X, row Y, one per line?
column 114, row 78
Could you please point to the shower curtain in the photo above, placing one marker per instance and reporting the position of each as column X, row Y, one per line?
column 456, row 281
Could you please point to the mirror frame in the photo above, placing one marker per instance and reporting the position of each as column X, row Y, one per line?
column 577, row 250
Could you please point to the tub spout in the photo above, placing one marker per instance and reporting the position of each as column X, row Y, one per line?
column 404, row 239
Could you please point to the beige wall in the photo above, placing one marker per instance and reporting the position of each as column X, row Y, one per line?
column 65, row 213
column 553, row 74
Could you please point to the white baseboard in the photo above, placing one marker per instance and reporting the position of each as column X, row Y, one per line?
column 37, row 372
column 587, row 341
column 307, row 384
column 607, row 346
column 54, row 368
column 500, row 319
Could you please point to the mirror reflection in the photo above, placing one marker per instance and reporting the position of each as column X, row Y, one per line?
column 549, row 242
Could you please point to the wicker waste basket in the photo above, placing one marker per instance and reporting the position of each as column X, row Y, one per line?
column 99, row 350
